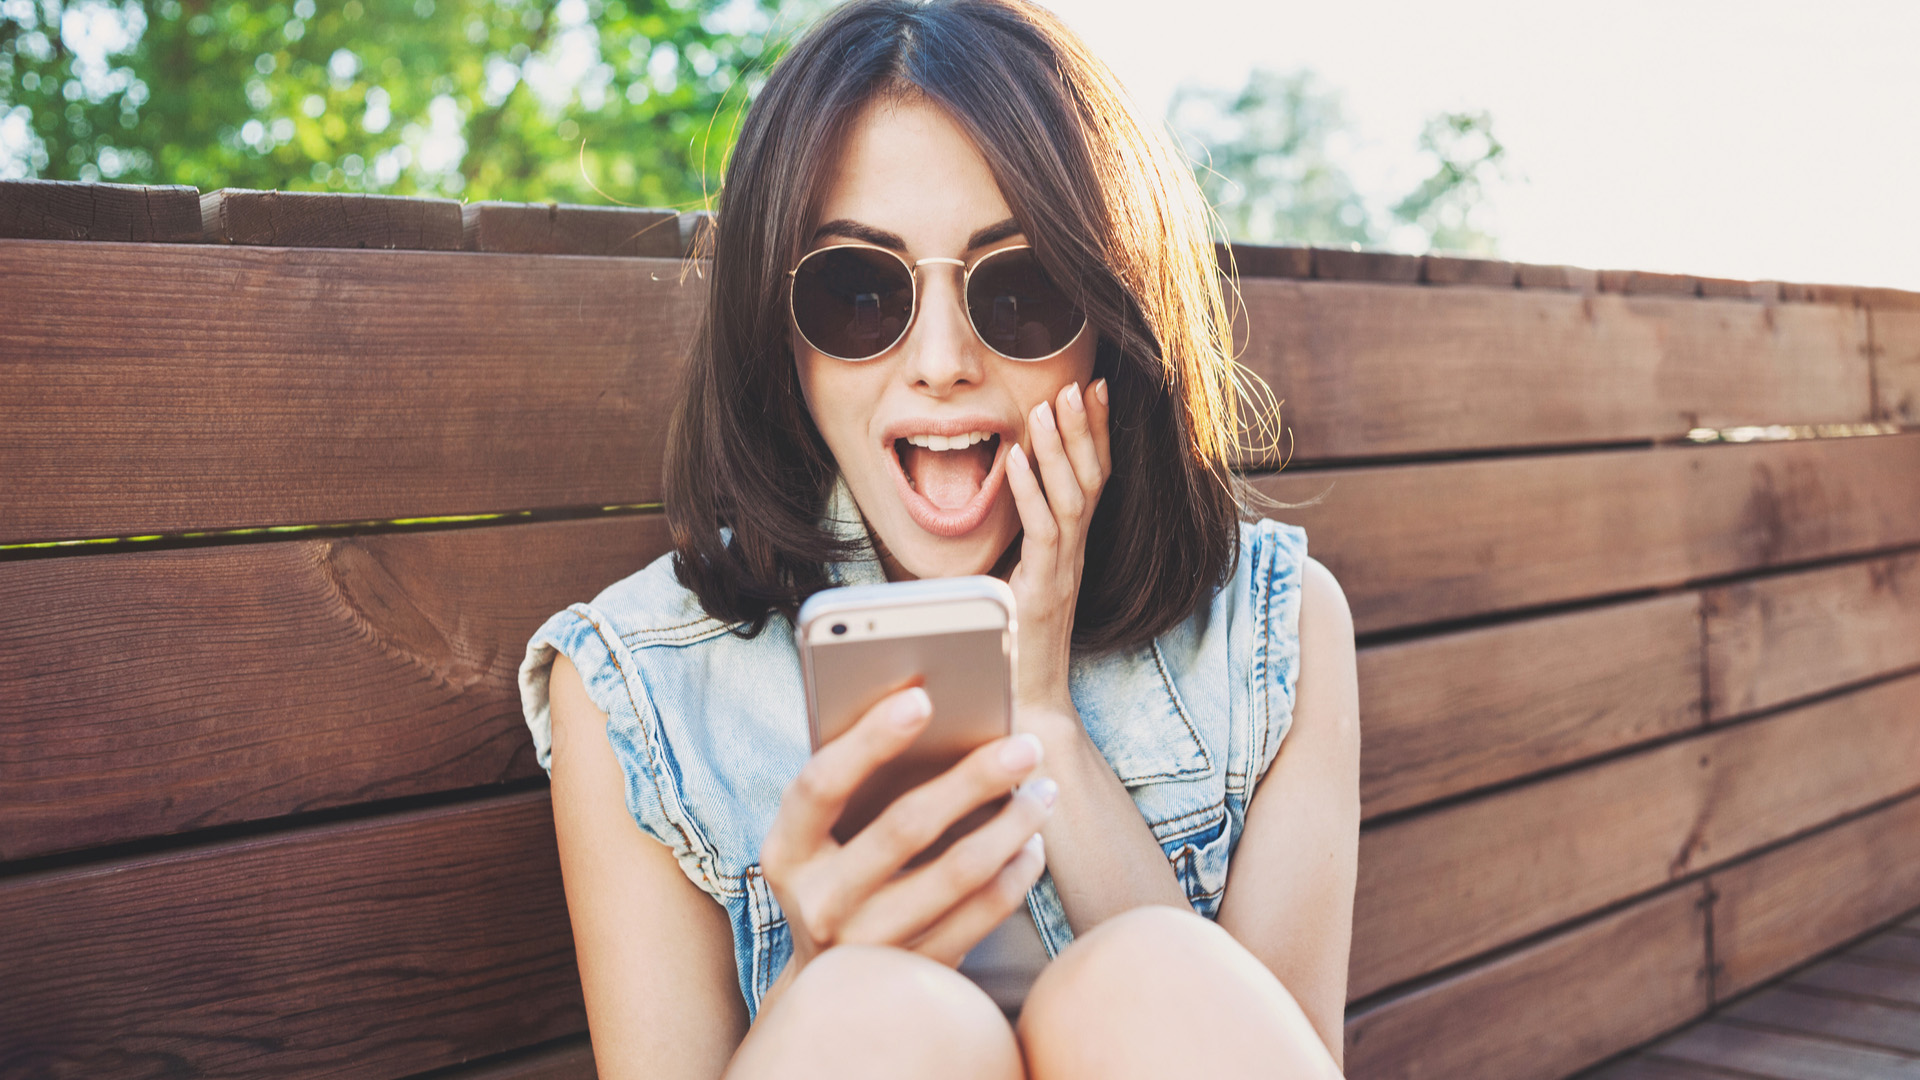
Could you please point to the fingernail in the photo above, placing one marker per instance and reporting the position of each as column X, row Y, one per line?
column 914, row 706
column 1037, row 845
column 1020, row 753
column 1043, row 789
column 1100, row 391
column 1017, row 456
column 1073, row 398
column 1043, row 415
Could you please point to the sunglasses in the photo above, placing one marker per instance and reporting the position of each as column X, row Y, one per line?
column 855, row 301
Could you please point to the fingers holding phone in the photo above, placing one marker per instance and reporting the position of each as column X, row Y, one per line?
column 861, row 892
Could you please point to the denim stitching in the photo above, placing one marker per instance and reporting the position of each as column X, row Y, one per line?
column 689, row 832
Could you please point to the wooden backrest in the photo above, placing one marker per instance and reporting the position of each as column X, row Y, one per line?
column 287, row 481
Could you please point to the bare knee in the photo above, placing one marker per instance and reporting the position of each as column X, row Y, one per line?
column 864, row 1010
column 1160, row 988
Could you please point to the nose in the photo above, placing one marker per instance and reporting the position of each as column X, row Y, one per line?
column 942, row 352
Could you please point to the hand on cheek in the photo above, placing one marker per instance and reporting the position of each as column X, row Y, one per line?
column 1056, row 480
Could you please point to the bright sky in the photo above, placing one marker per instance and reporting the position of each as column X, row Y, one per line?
column 1772, row 139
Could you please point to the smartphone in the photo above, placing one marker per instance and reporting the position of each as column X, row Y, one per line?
column 952, row 636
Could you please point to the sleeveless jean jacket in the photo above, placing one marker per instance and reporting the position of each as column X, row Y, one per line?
column 710, row 727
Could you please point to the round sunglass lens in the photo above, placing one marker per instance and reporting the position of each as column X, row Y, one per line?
column 1018, row 310
column 852, row 303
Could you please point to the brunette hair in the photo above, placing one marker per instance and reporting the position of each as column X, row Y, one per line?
column 1114, row 216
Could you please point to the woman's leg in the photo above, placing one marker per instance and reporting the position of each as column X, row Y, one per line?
column 1159, row 992
column 869, row 1011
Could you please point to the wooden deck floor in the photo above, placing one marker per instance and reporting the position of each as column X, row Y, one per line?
column 1853, row 1015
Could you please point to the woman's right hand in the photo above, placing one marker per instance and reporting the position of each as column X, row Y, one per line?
column 855, row 893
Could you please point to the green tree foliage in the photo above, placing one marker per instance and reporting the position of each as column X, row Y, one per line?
column 482, row 99
column 1268, row 157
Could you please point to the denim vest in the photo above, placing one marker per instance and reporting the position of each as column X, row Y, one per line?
column 710, row 727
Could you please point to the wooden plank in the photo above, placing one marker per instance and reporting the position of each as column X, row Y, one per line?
column 1416, row 544
column 573, row 1060
column 696, row 234
column 377, row 948
column 329, row 220
column 1777, row 638
column 1550, row 1009
column 252, row 681
column 1738, row 289
column 1337, row 264
column 1449, row 270
column 1793, row 1008
column 63, row 210
column 1781, row 1056
column 161, row 388
column 1260, row 260
column 1537, row 276
column 1845, row 975
column 1453, row 712
column 1646, row 283
column 1776, row 911
column 1368, row 369
column 1641, row 1067
column 1896, row 347
column 1892, row 949
column 1441, row 887
column 566, row 229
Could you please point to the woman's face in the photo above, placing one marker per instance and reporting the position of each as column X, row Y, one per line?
column 911, row 180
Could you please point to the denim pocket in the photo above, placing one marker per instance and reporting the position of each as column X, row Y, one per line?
column 1198, row 850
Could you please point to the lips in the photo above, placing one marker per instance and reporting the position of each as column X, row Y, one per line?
column 934, row 483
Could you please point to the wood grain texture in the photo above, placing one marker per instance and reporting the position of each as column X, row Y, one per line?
column 1846, row 975
column 254, row 681
column 1893, row 949
column 1450, row 270
column 1548, row 1010
column 63, row 210
column 1260, row 260
column 1449, row 713
column 1778, row 1055
column 1414, row 544
column 1444, row 886
column 1368, row 369
column 379, row 948
column 571, row 1061
column 1640, row 1067
column 1780, row 909
column 1646, row 283
column 1739, row 289
column 1773, row 639
column 1802, row 1010
column 1540, row 276
column 1337, row 264
column 1896, row 347
column 327, row 220
column 566, row 229
column 158, row 388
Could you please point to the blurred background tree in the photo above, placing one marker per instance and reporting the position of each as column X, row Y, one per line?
column 1270, row 158
column 478, row 99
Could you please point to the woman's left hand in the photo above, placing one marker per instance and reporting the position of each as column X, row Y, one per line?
column 1070, row 457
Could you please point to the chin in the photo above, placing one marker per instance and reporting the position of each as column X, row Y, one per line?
column 924, row 555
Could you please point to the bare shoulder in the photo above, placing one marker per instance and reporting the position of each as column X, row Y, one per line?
column 1328, row 692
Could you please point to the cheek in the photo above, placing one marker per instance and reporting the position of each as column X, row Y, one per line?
column 839, row 396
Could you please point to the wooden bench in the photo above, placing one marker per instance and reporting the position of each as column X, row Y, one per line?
column 287, row 481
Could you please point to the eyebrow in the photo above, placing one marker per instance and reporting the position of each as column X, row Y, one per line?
column 854, row 230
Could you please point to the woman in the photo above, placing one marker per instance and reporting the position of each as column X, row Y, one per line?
column 963, row 319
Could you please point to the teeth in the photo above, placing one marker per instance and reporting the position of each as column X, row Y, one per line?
column 949, row 442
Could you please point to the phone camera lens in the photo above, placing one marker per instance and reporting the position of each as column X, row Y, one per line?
column 839, row 628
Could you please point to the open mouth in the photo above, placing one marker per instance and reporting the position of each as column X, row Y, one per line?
column 948, row 482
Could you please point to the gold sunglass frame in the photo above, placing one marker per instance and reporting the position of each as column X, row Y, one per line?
column 913, row 312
